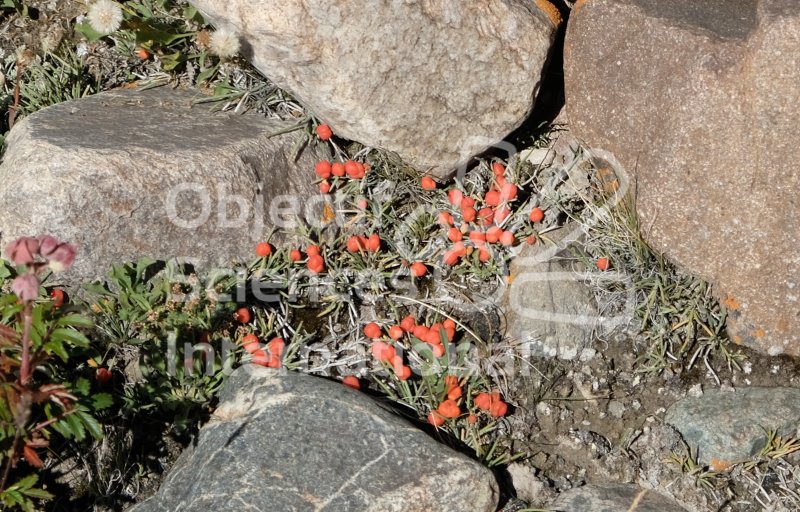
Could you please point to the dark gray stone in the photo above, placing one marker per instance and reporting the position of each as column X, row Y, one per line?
column 289, row 441
column 697, row 99
column 613, row 498
column 726, row 427
column 102, row 172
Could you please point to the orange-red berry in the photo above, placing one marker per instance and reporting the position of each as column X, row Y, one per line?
column 428, row 183
column 492, row 198
column 537, row 215
column 469, row 213
column 372, row 330
column 242, row 315
column 337, row 169
column 408, row 323
column 603, row 263
column 323, row 169
column 324, row 132
column 395, row 332
column 435, row 419
column 419, row 269
column 58, row 296
column 374, row 243
column 250, row 343
column 316, row 264
column 455, row 196
column 351, row 381
column 263, row 250
column 507, row 238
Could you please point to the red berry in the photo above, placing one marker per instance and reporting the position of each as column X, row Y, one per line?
column 428, row 183
column 469, row 213
column 419, row 269
column 477, row 238
column 295, row 255
column 435, row 419
column 603, row 263
column 408, row 323
column 324, row 132
column 383, row 352
column 395, row 332
column 337, row 169
column 250, row 343
column 354, row 244
column 58, row 297
column 498, row 169
column 103, row 375
column 537, row 215
column 531, row 240
column 451, row 258
column 351, row 381
column 324, row 187
column 484, row 255
column 454, row 235
column 493, row 234
column 323, row 169
column 316, row 264
column 420, row 332
column 403, row 372
column 374, row 243
column 263, row 250
column 351, row 168
column 243, row 315
column 501, row 214
column 312, row 250
column 372, row 331
column 455, row 196
column 507, row 238
column 508, row 192
column 492, row 198
column 142, row 54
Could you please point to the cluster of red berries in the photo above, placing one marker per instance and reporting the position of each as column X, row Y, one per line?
column 315, row 261
column 271, row 357
column 494, row 211
column 325, row 169
column 432, row 335
column 371, row 243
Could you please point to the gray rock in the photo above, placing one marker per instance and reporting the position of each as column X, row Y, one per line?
column 729, row 426
column 288, row 441
column 437, row 81
column 527, row 485
column 614, row 498
column 697, row 100
column 547, row 305
column 131, row 173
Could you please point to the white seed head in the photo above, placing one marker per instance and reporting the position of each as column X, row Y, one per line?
column 225, row 43
column 105, row 16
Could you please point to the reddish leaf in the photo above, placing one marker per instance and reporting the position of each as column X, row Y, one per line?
column 31, row 457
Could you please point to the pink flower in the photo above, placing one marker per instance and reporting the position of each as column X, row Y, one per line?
column 47, row 244
column 22, row 251
column 26, row 287
column 62, row 257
